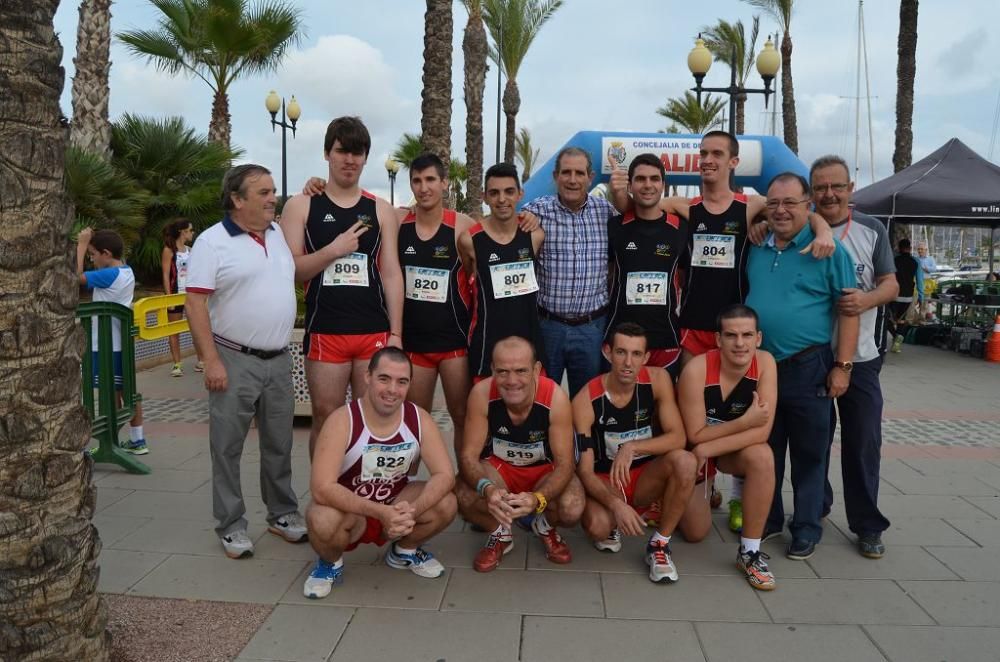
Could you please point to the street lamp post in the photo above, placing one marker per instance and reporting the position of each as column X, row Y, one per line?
column 700, row 60
column 272, row 102
column 392, row 167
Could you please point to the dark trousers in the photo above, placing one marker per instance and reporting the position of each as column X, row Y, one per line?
column 802, row 426
column 860, row 449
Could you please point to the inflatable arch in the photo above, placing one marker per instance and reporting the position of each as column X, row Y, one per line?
column 761, row 158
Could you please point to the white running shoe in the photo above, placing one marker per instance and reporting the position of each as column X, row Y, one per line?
column 661, row 568
column 237, row 544
column 612, row 544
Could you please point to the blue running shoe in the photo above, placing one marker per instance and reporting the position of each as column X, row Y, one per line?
column 322, row 578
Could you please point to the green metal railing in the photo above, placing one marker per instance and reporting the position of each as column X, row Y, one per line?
column 106, row 415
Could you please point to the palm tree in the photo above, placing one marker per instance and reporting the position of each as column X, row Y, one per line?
column 435, row 120
column 514, row 24
column 906, row 72
column 691, row 115
column 50, row 608
column 178, row 170
column 458, row 176
column 527, row 154
column 781, row 11
column 91, row 129
column 218, row 41
column 104, row 197
column 409, row 147
column 724, row 40
column 475, row 49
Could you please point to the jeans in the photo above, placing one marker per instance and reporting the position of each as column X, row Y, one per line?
column 860, row 411
column 802, row 426
column 573, row 349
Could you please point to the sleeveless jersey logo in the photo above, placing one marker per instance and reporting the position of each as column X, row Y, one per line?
column 737, row 408
column 641, row 415
column 410, row 250
column 523, row 254
column 442, row 252
column 711, row 412
column 329, row 218
column 494, row 257
column 503, row 430
column 732, row 227
column 365, row 219
column 662, row 250
column 379, row 344
column 611, row 421
column 534, row 436
column 701, row 227
column 631, row 246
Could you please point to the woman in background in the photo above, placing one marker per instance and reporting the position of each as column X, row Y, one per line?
column 173, row 262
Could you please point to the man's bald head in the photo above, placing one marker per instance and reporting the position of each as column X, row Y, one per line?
column 512, row 345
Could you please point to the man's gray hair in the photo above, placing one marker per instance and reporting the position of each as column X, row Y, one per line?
column 235, row 178
column 826, row 162
column 573, row 151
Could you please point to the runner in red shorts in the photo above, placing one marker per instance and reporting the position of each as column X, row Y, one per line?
column 361, row 490
column 344, row 244
column 517, row 458
column 727, row 399
column 632, row 455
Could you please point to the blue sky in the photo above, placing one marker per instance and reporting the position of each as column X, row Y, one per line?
column 596, row 65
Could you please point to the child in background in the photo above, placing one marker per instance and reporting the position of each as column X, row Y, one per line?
column 173, row 263
column 113, row 281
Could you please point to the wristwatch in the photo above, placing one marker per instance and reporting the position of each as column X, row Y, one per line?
column 846, row 366
column 542, row 503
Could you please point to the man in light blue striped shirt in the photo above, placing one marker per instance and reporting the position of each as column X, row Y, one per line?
column 573, row 270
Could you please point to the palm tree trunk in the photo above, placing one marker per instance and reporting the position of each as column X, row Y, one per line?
column 511, row 106
column 906, row 72
column 221, row 127
column 474, row 49
column 741, row 100
column 91, row 129
column 49, row 606
column 791, row 129
column 435, row 121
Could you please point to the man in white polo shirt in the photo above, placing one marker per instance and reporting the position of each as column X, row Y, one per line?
column 241, row 307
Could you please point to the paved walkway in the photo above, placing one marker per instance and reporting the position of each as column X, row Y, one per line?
column 935, row 596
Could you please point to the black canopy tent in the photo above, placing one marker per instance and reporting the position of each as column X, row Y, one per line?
column 951, row 186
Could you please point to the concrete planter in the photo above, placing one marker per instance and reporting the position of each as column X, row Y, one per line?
column 303, row 406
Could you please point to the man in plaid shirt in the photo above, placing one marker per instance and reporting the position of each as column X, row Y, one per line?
column 573, row 270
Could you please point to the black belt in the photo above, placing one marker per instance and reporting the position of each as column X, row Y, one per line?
column 573, row 321
column 259, row 353
column 798, row 356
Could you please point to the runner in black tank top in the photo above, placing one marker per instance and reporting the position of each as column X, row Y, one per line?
column 645, row 261
column 436, row 309
column 505, row 296
column 614, row 426
column 347, row 297
column 525, row 444
column 717, row 250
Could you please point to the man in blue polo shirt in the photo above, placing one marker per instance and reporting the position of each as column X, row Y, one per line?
column 796, row 297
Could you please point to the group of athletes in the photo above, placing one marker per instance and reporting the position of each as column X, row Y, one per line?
column 396, row 298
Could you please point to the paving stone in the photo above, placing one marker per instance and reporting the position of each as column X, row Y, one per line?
column 120, row 570
column 973, row 564
column 985, row 532
column 934, row 644
column 900, row 562
column 947, row 485
column 958, row 603
column 914, row 531
column 399, row 634
column 164, row 505
column 690, row 599
column 164, row 480
column 816, row 643
column 843, row 601
column 174, row 536
column 923, row 505
column 540, row 592
column 298, row 633
column 373, row 586
column 219, row 578
column 108, row 496
column 112, row 528
column 959, row 467
column 985, row 505
column 545, row 639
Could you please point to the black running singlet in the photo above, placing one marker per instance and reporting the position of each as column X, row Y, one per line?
column 436, row 305
column 506, row 294
column 717, row 250
column 740, row 398
column 523, row 445
column 615, row 426
column 645, row 258
column 346, row 297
